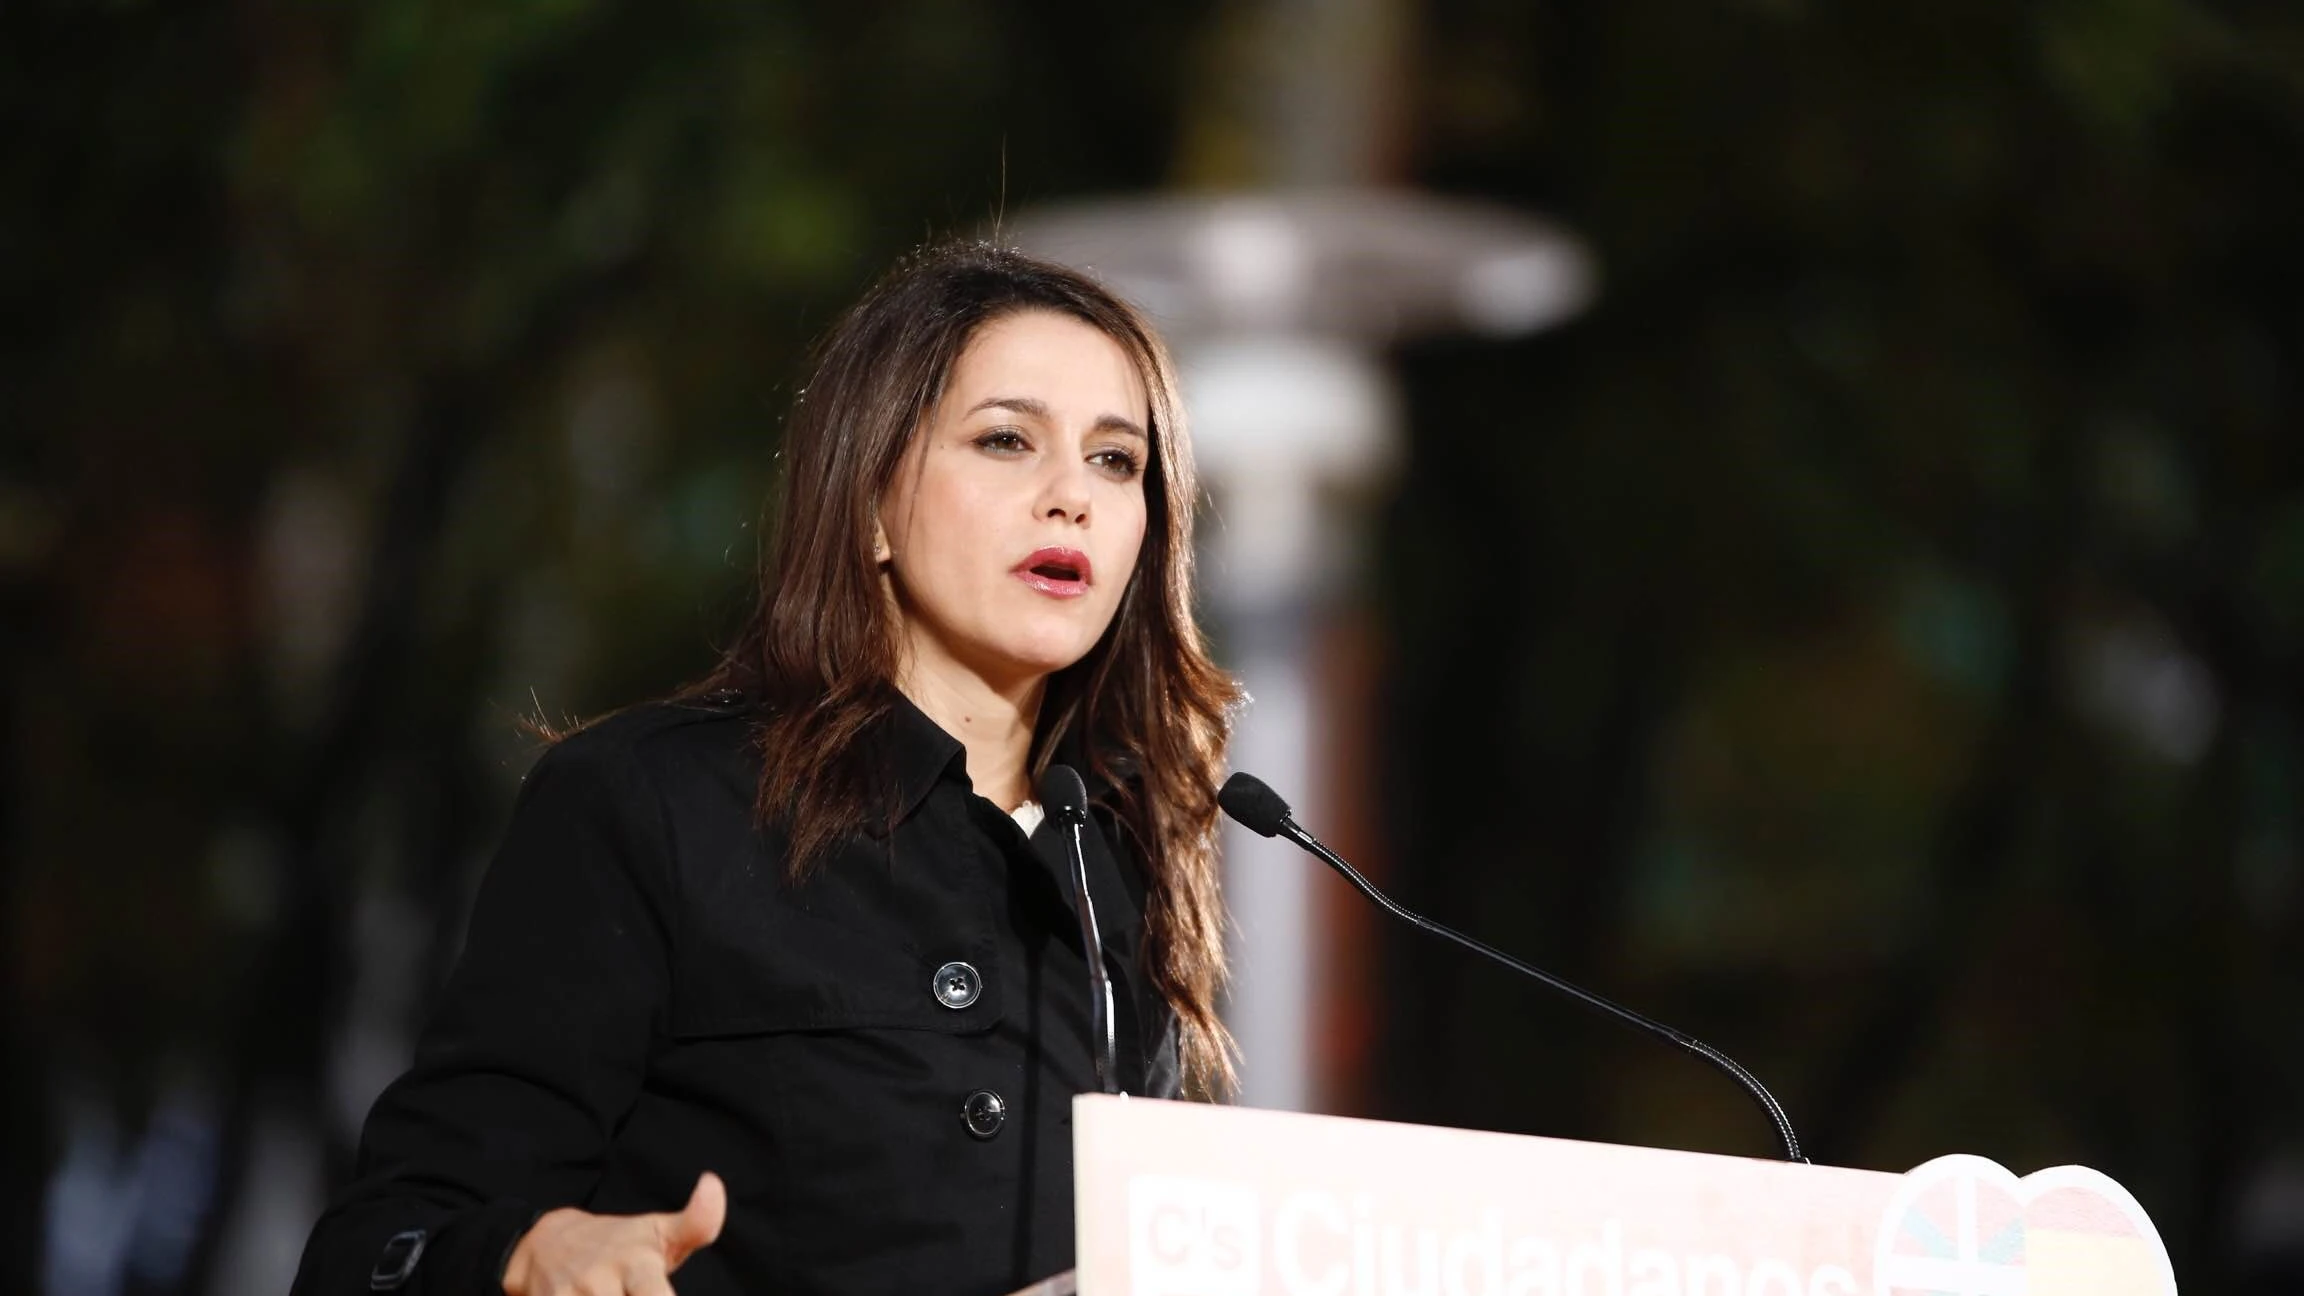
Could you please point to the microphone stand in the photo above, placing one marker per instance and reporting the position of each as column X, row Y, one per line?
column 1069, row 805
column 1258, row 819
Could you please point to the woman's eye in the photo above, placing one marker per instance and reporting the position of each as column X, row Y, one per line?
column 1002, row 440
column 1119, row 464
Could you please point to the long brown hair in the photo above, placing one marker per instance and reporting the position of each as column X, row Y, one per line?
column 1146, row 709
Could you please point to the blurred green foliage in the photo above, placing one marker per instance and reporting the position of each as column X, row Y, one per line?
column 373, row 375
column 1872, row 597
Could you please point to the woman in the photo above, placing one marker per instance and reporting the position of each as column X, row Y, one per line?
column 787, row 948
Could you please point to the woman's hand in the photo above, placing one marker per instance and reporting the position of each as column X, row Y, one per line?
column 569, row 1252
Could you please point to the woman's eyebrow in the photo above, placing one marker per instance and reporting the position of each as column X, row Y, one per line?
column 1036, row 408
column 1018, row 404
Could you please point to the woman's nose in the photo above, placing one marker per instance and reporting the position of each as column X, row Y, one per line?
column 1064, row 490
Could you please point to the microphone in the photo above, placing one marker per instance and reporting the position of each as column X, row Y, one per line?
column 1065, row 798
column 1260, row 810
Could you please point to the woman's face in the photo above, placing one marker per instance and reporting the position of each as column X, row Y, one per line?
column 1014, row 521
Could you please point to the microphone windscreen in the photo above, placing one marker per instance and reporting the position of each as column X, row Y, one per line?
column 1257, row 807
column 1062, row 794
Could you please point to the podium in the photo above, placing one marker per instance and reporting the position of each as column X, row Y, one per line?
column 1187, row 1199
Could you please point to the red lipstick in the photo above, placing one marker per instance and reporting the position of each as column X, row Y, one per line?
column 1059, row 573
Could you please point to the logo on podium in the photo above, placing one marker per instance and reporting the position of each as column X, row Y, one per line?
column 1965, row 1226
column 1194, row 1237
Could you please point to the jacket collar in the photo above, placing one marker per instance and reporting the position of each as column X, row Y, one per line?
column 917, row 753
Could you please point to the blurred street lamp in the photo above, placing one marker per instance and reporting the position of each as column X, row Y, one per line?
column 1278, row 304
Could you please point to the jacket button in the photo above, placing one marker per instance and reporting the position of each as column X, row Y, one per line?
column 958, row 985
column 399, row 1259
column 984, row 1112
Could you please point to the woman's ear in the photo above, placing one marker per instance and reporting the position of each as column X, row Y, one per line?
column 881, row 553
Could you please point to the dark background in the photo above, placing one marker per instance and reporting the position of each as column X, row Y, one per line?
column 1872, row 636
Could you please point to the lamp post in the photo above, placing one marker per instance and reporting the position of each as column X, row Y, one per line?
column 1278, row 305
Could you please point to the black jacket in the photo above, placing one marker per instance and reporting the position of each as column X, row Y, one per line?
column 880, row 1062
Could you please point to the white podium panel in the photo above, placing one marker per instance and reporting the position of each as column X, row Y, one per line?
column 1186, row 1199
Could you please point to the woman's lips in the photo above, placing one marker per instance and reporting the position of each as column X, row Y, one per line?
column 1059, row 573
